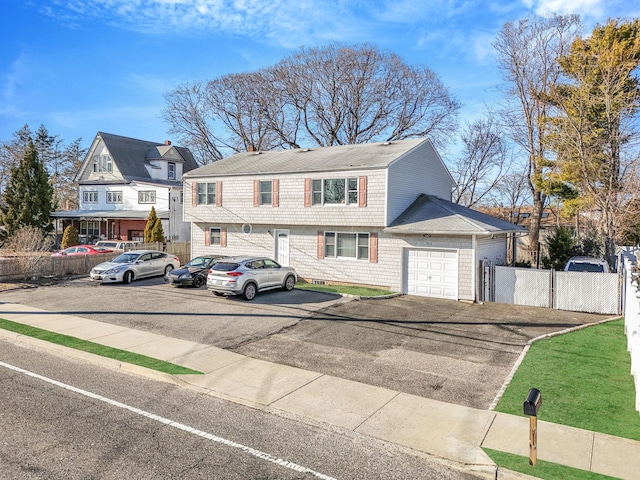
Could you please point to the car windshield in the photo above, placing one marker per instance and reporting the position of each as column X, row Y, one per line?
column 126, row 258
column 225, row 266
column 585, row 267
column 199, row 262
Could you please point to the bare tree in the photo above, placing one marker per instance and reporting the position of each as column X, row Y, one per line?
column 482, row 163
column 528, row 50
column 30, row 246
column 333, row 95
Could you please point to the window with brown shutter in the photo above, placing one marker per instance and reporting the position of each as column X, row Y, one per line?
column 256, row 193
column 218, row 194
column 362, row 191
column 373, row 247
column 194, row 194
column 307, row 192
column 320, row 244
column 276, row 193
column 223, row 237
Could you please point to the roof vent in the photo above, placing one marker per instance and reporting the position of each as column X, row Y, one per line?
column 386, row 143
column 306, row 149
column 167, row 142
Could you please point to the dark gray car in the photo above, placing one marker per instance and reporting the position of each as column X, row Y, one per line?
column 247, row 276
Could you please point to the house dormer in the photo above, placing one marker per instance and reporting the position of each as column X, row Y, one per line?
column 164, row 162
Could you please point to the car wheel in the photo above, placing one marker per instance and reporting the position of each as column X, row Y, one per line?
column 289, row 283
column 127, row 277
column 167, row 269
column 249, row 291
column 198, row 282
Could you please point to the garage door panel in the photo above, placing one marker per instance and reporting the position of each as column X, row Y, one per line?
column 432, row 273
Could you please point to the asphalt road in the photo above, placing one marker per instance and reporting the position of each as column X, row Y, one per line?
column 94, row 422
column 451, row 351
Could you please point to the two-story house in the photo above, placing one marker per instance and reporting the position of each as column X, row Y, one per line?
column 119, row 181
column 376, row 214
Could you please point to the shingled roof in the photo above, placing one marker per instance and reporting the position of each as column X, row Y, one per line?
column 433, row 215
column 299, row 160
column 131, row 155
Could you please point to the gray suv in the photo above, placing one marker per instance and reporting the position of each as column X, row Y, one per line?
column 247, row 276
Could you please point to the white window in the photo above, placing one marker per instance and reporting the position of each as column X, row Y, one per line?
column 114, row 197
column 346, row 245
column 147, row 196
column 334, row 191
column 266, row 189
column 206, row 194
column 102, row 163
column 215, row 236
column 172, row 171
column 89, row 197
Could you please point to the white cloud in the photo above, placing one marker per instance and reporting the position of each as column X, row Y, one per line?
column 285, row 21
column 11, row 82
column 591, row 8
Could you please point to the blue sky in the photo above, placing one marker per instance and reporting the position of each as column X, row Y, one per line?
column 83, row 66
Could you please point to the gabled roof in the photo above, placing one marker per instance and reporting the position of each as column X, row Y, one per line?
column 432, row 215
column 131, row 155
column 300, row 160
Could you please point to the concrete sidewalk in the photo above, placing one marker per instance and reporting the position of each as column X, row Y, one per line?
column 449, row 431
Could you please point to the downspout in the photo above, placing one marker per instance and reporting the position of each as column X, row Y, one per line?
column 474, row 269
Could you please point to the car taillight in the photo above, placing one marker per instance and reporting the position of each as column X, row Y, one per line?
column 176, row 259
column 234, row 274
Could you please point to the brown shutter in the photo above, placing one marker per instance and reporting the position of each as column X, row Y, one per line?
column 194, row 194
column 223, row 237
column 256, row 193
column 373, row 247
column 207, row 237
column 307, row 192
column 320, row 244
column 219, row 194
column 362, row 191
column 275, row 198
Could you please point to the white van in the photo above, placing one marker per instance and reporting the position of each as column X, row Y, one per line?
column 118, row 245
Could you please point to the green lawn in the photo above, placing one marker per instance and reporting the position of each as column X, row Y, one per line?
column 546, row 470
column 346, row 289
column 585, row 381
column 97, row 349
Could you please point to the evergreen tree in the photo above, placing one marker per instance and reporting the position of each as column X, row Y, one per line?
column 561, row 246
column 151, row 222
column 157, row 234
column 70, row 237
column 28, row 197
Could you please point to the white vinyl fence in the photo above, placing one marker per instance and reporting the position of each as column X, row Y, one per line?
column 576, row 291
column 631, row 309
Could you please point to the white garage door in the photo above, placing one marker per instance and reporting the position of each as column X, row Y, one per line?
column 432, row 273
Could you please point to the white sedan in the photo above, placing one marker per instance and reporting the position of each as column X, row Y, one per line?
column 134, row 264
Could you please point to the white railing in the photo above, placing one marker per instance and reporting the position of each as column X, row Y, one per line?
column 631, row 308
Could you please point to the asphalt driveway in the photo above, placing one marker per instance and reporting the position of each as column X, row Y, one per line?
column 441, row 349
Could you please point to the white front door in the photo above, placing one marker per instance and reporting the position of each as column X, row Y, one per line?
column 282, row 247
column 432, row 273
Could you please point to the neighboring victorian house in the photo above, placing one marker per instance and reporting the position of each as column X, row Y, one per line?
column 120, row 180
column 377, row 214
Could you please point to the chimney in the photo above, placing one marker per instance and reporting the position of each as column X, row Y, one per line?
column 167, row 142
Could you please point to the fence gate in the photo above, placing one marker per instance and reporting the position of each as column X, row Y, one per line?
column 523, row 286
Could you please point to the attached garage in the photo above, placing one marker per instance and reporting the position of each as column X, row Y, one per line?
column 431, row 272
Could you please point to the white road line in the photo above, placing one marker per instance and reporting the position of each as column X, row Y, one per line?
column 251, row 451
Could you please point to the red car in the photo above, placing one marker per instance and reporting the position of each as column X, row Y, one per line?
column 81, row 250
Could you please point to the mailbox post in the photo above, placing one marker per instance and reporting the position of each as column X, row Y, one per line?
column 531, row 407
